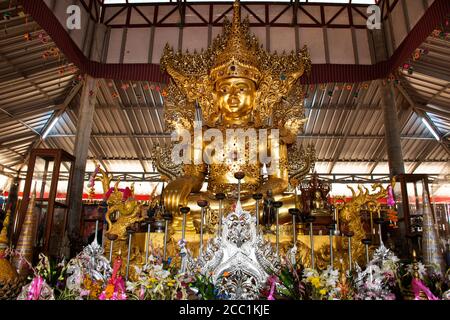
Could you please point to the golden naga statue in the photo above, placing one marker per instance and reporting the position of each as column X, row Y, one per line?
column 350, row 215
column 125, row 208
column 234, row 84
column 124, row 212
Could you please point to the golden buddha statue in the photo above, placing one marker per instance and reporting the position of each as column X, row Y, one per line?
column 318, row 202
column 233, row 86
column 319, row 205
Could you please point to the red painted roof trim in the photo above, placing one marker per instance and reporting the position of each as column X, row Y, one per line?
column 321, row 73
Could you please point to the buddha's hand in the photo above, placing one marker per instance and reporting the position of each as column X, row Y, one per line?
column 177, row 192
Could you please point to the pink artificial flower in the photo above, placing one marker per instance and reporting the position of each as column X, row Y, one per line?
column 142, row 293
column 35, row 288
column 418, row 286
column 273, row 280
column 84, row 293
column 117, row 281
column 389, row 276
column 92, row 177
column 390, row 296
column 390, row 199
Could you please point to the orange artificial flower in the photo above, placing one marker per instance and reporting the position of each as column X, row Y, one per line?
column 87, row 283
column 95, row 291
column 109, row 291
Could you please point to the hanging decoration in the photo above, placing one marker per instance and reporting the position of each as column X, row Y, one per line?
column 393, row 77
column 419, row 53
column 14, row 11
column 347, row 87
column 416, row 55
column 73, row 69
column 6, row 15
column 42, row 37
column 51, row 53
column 440, row 33
column 391, row 214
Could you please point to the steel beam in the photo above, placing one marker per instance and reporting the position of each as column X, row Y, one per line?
column 260, row 17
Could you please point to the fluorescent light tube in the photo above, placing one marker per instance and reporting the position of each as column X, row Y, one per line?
column 50, row 127
column 433, row 132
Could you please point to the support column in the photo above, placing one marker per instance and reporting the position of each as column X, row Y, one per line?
column 378, row 44
column 83, row 135
column 392, row 130
column 12, row 201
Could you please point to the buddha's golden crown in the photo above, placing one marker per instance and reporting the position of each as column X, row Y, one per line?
column 238, row 57
column 234, row 53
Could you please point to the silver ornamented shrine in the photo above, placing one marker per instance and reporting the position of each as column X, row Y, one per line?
column 239, row 259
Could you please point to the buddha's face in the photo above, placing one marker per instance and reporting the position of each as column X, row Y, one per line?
column 235, row 98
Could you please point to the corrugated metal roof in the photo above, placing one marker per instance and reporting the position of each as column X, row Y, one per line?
column 32, row 86
column 429, row 83
column 345, row 121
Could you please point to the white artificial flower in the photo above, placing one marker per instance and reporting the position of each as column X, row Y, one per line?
column 421, row 269
column 309, row 273
column 446, row 295
column 330, row 277
column 131, row 286
column 137, row 270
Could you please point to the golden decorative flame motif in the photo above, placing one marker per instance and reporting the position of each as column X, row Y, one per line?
column 236, row 53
